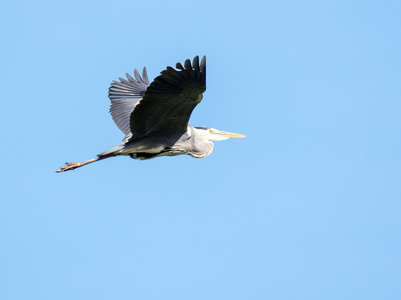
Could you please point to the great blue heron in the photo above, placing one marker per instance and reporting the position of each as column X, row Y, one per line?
column 154, row 117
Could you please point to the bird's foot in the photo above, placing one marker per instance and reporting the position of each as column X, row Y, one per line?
column 69, row 166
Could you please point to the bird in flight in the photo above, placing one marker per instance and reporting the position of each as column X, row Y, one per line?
column 154, row 116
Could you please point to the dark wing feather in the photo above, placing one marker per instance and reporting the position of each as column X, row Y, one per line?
column 169, row 100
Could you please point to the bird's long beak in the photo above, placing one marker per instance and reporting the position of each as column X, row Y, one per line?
column 230, row 134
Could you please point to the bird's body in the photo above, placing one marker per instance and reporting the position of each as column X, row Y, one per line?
column 154, row 117
column 190, row 143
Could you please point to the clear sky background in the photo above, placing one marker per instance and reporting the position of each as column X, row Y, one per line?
column 308, row 206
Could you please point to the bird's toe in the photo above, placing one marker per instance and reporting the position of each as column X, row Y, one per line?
column 69, row 166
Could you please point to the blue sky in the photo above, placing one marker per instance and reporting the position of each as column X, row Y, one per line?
column 306, row 207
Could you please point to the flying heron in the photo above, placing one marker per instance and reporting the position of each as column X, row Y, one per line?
column 154, row 117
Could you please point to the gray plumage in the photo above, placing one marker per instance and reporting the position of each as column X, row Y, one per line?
column 154, row 117
column 124, row 96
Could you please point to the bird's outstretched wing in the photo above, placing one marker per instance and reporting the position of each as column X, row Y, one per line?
column 124, row 96
column 169, row 100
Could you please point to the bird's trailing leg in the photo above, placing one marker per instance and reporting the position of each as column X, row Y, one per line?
column 74, row 165
column 71, row 166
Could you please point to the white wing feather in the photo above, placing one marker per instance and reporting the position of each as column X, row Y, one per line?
column 124, row 96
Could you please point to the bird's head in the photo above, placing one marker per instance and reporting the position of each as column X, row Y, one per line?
column 217, row 135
